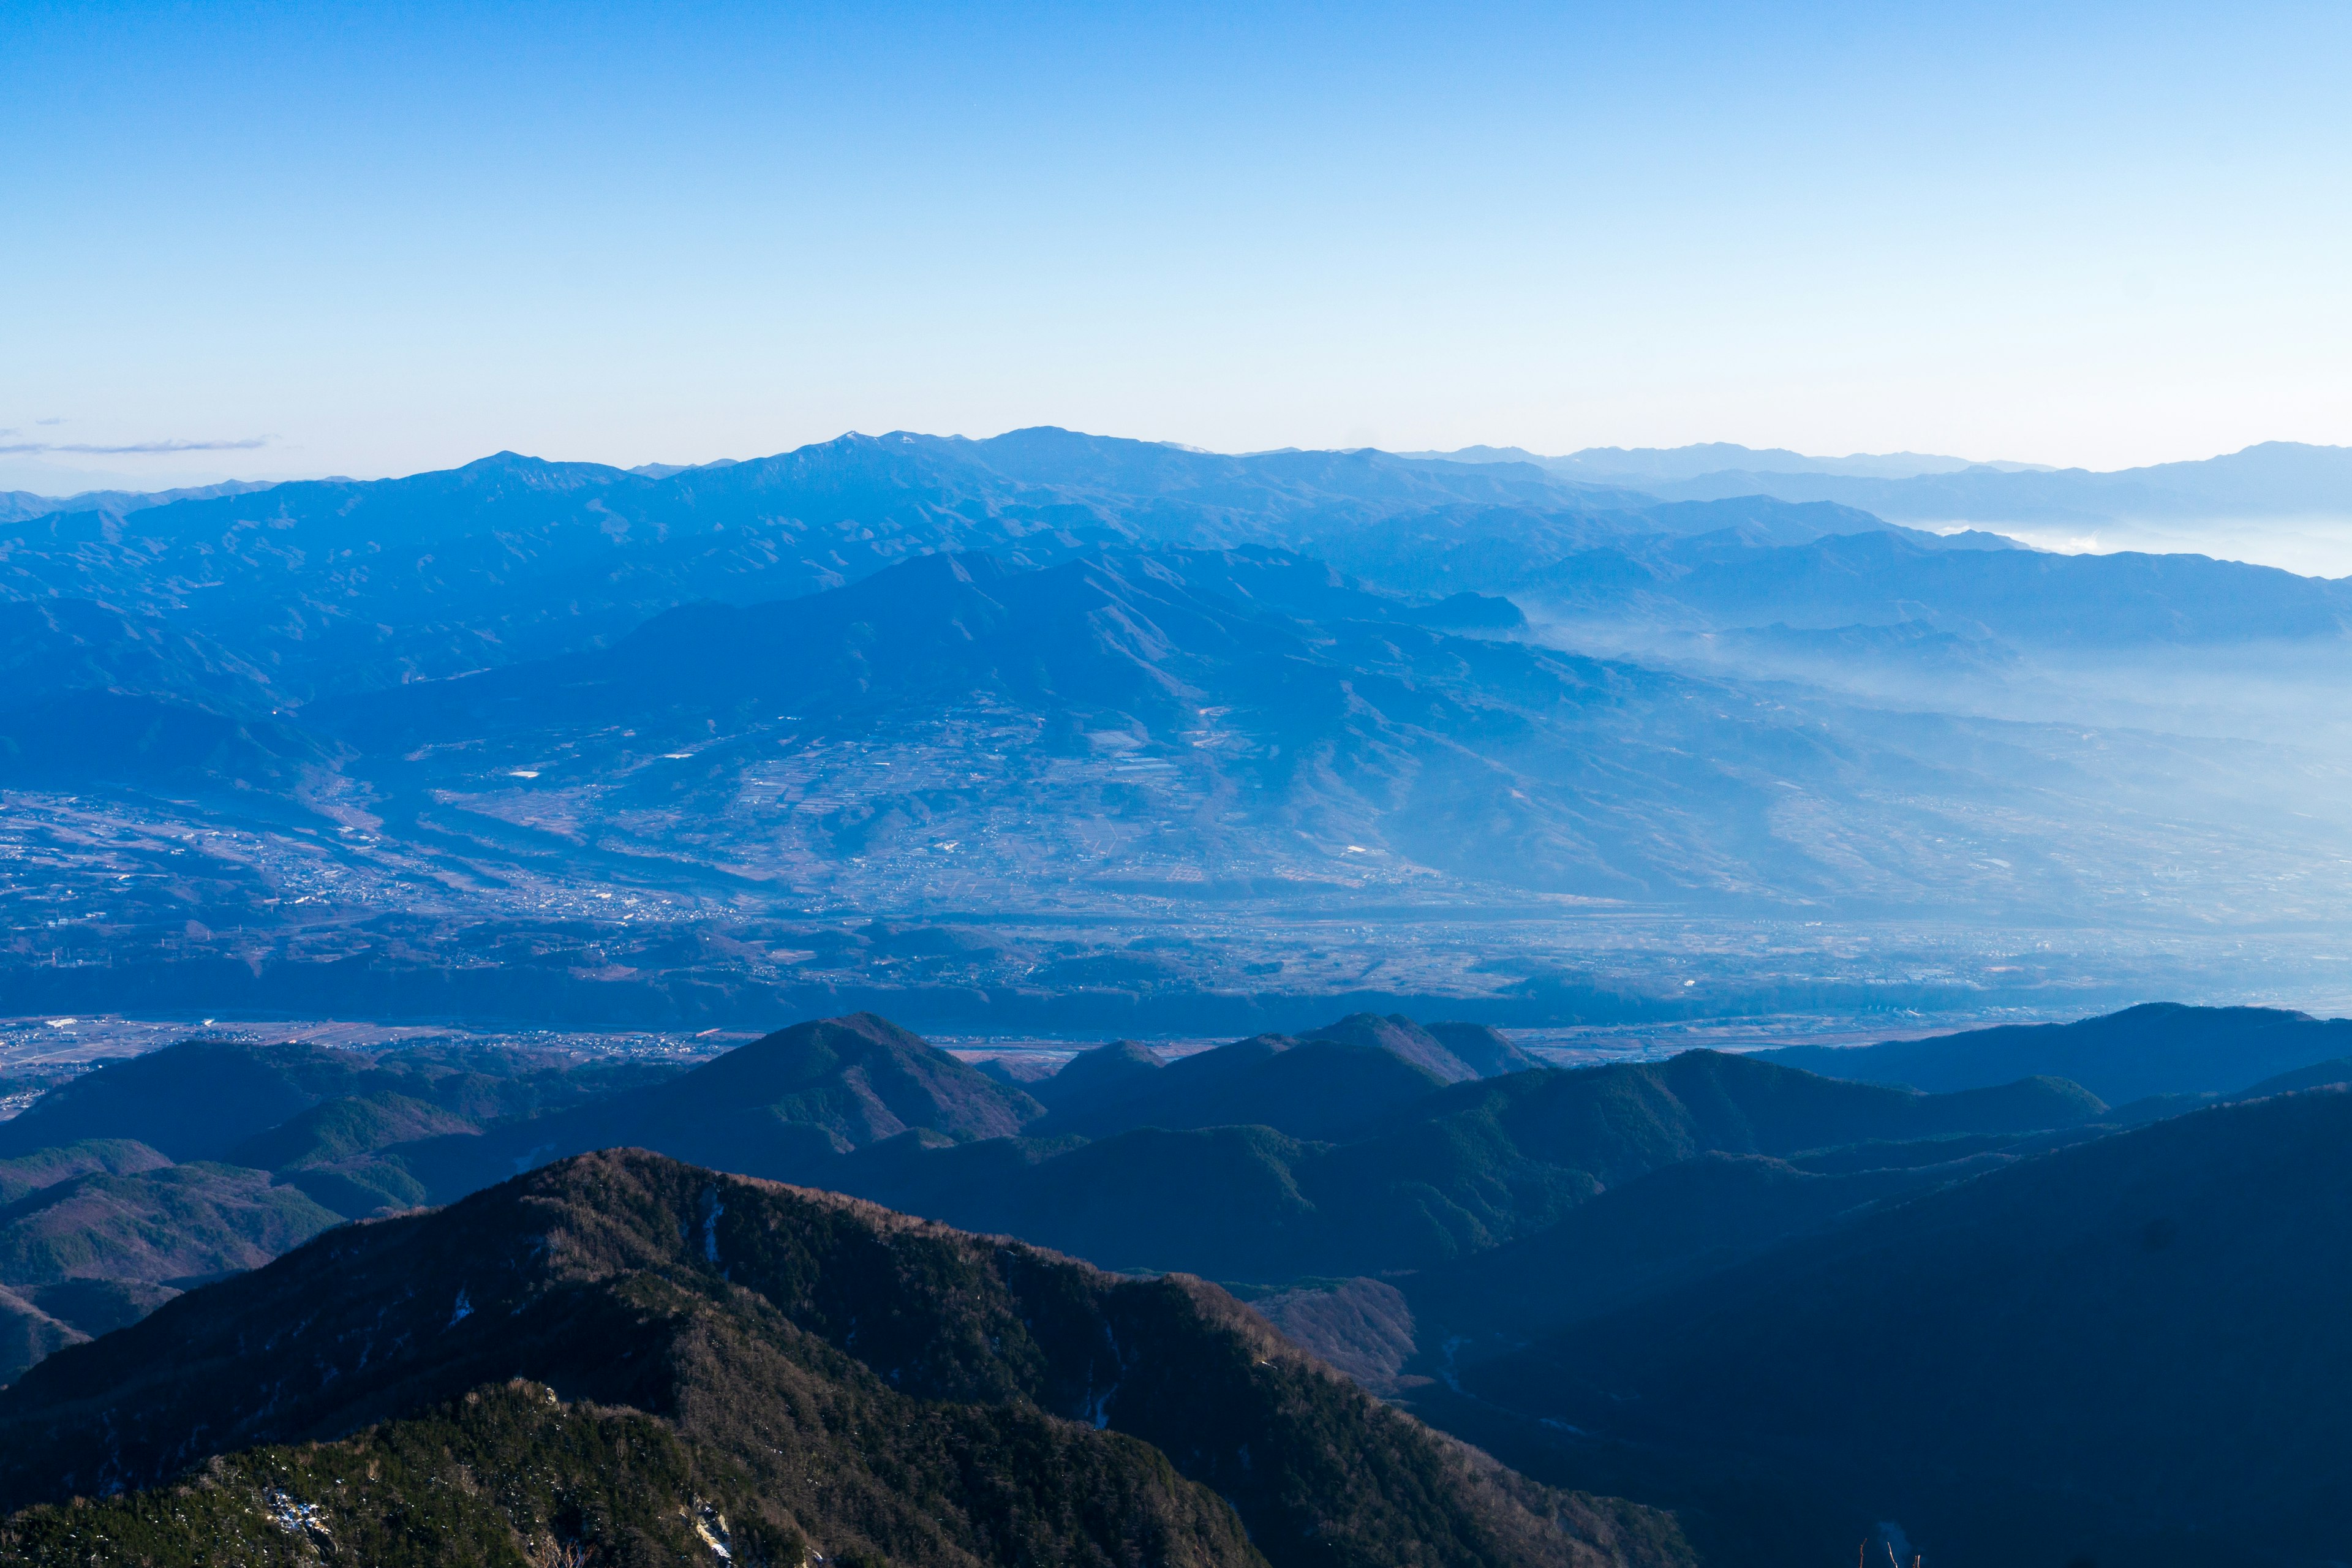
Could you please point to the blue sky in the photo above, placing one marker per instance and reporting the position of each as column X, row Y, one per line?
column 385, row 237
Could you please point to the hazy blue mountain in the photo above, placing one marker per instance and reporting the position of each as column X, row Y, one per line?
column 1053, row 671
column 1647, row 466
column 49, row 646
column 19, row 506
column 2324, row 1075
column 1018, row 714
column 2156, row 1048
column 2274, row 479
column 91, row 695
column 2126, row 1350
column 2029, row 597
column 342, row 584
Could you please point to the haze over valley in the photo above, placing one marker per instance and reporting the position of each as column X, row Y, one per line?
column 935, row 786
column 1015, row 732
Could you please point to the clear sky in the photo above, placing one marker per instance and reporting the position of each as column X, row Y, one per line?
column 377, row 238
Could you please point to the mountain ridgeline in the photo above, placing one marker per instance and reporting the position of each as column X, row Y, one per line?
column 1616, row 1279
column 729, row 1370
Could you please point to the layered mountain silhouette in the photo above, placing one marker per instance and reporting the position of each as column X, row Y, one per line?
column 1792, row 1307
column 750, row 1370
column 2271, row 479
column 1265, row 1160
column 1371, row 1144
column 363, row 583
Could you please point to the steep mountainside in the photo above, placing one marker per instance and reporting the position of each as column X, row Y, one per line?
column 813, row 1376
column 2127, row 1350
column 29, row 1334
column 1402, row 1037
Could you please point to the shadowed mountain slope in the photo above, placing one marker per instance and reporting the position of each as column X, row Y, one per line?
column 1402, row 1037
column 1314, row 1087
column 1451, row 1173
column 29, row 1334
column 200, row 1099
column 2159, row 1048
column 1109, row 1072
column 849, row 1382
column 1486, row 1052
column 52, row 645
column 2125, row 1351
column 1675, row 1224
column 194, row 1101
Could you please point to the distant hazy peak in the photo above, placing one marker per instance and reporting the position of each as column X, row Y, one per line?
column 17, row 506
column 1621, row 465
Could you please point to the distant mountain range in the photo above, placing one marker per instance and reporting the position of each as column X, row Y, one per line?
column 2274, row 479
column 1643, row 466
column 1056, row 672
column 19, row 506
